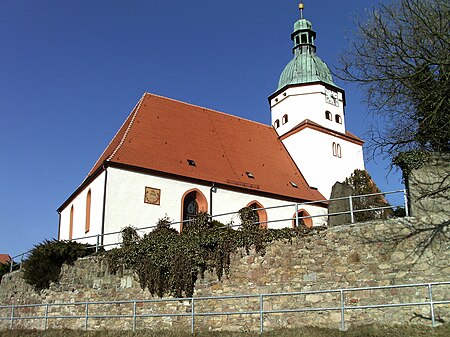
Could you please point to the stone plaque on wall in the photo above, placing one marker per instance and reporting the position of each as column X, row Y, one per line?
column 152, row 196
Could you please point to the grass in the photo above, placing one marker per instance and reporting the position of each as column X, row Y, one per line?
column 359, row 331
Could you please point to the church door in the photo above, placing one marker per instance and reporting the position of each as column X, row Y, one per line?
column 190, row 206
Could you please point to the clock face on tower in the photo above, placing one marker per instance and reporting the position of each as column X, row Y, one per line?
column 331, row 97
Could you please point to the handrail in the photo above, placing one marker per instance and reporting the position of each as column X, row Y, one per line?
column 261, row 311
column 297, row 219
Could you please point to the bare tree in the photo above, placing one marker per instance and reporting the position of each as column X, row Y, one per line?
column 400, row 56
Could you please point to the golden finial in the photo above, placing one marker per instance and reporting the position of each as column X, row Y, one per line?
column 301, row 6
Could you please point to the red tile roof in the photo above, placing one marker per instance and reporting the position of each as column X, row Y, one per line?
column 162, row 134
column 4, row 258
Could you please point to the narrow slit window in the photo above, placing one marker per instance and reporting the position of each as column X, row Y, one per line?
column 338, row 119
column 276, row 125
column 328, row 115
column 88, row 212
column 284, row 119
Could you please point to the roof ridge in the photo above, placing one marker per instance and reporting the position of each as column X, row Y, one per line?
column 209, row 109
column 136, row 110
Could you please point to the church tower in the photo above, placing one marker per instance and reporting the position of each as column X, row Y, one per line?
column 308, row 114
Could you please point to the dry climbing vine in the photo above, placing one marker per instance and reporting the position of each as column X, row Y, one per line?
column 169, row 263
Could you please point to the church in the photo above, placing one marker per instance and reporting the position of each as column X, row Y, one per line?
column 174, row 159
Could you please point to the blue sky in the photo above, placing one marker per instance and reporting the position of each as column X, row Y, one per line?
column 71, row 71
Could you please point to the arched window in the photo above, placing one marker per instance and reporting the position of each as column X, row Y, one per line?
column 71, row 224
column 276, row 125
column 338, row 119
column 303, row 219
column 337, row 150
column 192, row 203
column 284, row 120
column 260, row 213
column 328, row 115
column 87, row 226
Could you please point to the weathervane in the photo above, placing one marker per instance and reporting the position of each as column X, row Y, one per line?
column 301, row 6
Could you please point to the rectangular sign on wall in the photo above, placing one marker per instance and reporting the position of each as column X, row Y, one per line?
column 152, row 195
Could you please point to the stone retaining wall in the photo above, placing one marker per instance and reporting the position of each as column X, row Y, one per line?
column 343, row 256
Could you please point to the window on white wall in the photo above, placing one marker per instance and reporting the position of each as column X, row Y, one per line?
column 88, row 212
column 328, row 115
column 337, row 150
column 338, row 119
column 276, row 125
column 285, row 119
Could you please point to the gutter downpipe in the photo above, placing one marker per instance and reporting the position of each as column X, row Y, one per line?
column 59, row 225
column 211, row 190
column 104, row 206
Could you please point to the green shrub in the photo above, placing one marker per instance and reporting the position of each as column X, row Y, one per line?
column 43, row 265
column 4, row 269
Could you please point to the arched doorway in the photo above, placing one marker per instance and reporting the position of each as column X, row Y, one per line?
column 261, row 214
column 303, row 219
column 193, row 202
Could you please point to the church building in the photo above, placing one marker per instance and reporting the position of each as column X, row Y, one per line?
column 175, row 159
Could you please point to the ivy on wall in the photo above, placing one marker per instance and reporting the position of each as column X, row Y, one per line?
column 411, row 160
column 169, row 263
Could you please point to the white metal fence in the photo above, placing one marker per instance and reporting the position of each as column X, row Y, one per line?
column 423, row 295
column 295, row 207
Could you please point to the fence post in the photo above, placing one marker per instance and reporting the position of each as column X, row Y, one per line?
column 46, row 317
column 405, row 198
column 97, row 244
column 12, row 318
column 86, row 317
column 350, row 201
column 192, row 316
column 134, row 316
column 342, row 311
column 430, row 291
column 11, row 265
column 21, row 261
column 296, row 215
column 261, row 313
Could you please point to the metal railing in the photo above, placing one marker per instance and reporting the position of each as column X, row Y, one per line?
column 352, row 211
column 260, row 311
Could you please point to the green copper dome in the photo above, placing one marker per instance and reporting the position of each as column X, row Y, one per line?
column 306, row 66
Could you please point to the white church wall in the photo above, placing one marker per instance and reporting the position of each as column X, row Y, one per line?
column 312, row 151
column 306, row 102
column 125, row 203
column 79, row 213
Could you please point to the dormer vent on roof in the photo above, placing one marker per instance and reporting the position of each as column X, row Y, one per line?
column 191, row 162
column 250, row 175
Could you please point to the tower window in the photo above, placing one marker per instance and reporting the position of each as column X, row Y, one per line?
column 304, row 38
column 337, row 150
column 338, row 119
column 284, row 119
column 276, row 125
column 328, row 115
column 297, row 40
